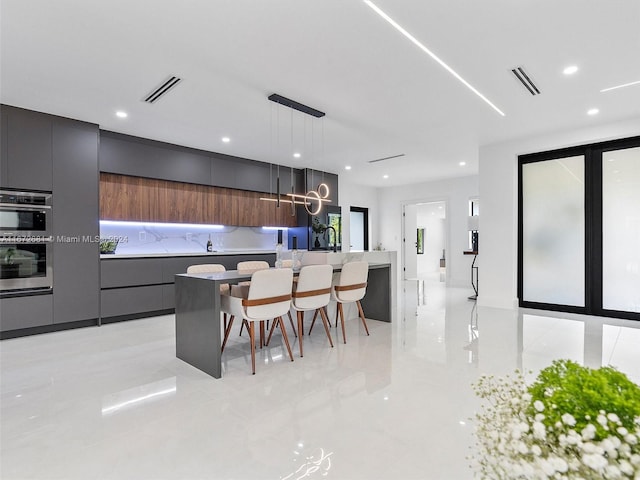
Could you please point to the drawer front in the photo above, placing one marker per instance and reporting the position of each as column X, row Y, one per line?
column 130, row 272
column 129, row 301
column 26, row 312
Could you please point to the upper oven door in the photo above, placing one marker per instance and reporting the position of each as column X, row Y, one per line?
column 16, row 220
column 24, row 212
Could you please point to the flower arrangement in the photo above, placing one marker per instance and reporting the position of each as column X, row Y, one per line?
column 573, row 422
column 318, row 227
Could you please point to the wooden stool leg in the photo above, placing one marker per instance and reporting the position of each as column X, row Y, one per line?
column 300, row 315
column 344, row 335
column 252, row 336
column 273, row 327
column 315, row 315
column 325, row 322
column 284, row 336
column 227, row 331
column 292, row 325
column 364, row 322
column 261, row 333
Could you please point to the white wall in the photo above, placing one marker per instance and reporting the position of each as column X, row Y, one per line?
column 456, row 193
column 499, row 199
column 352, row 195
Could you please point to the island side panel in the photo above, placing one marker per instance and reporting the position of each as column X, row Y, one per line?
column 377, row 301
column 198, row 335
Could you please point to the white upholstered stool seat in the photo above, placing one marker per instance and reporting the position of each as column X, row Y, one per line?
column 269, row 296
column 350, row 285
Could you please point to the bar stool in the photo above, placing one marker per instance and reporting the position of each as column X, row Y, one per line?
column 212, row 268
column 269, row 296
column 350, row 285
column 247, row 268
column 312, row 292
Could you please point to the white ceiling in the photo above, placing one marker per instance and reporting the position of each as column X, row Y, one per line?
column 383, row 96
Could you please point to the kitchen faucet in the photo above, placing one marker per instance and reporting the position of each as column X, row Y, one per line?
column 335, row 238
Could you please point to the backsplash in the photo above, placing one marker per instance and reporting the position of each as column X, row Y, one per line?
column 143, row 238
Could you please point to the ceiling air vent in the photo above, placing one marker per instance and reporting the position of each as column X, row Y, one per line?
column 525, row 80
column 164, row 87
column 386, row 158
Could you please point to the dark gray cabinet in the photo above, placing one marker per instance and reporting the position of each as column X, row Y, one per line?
column 139, row 157
column 27, row 150
column 128, row 272
column 138, row 287
column 223, row 172
column 25, row 312
column 130, row 301
column 126, row 155
column 76, row 254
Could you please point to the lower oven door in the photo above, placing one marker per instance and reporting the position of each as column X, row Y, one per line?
column 25, row 266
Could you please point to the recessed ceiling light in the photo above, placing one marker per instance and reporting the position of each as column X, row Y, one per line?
column 462, row 164
column 570, row 70
column 121, row 114
column 226, row 139
column 637, row 82
column 348, row 167
column 296, row 155
column 385, row 176
column 418, row 44
column 593, row 111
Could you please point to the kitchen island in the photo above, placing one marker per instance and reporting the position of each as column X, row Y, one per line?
column 197, row 305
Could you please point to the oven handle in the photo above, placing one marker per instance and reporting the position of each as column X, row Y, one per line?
column 15, row 206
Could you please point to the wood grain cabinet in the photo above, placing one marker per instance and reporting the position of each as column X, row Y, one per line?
column 124, row 197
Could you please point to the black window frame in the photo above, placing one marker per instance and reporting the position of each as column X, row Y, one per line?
column 593, row 225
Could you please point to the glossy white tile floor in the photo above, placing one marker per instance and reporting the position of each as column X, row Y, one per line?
column 114, row 402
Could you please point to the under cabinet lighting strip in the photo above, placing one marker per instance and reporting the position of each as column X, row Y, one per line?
column 417, row 43
column 124, row 223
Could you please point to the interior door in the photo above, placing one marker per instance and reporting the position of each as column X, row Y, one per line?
column 410, row 236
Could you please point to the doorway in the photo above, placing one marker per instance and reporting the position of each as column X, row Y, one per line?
column 359, row 229
column 424, row 252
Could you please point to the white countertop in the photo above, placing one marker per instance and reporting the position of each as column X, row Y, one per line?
column 190, row 254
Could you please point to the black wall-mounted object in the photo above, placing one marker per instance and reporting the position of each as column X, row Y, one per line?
column 287, row 102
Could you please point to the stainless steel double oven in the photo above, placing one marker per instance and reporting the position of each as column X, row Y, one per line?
column 26, row 242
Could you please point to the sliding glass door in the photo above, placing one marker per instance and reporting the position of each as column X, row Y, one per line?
column 553, row 231
column 579, row 229
column 621, row 230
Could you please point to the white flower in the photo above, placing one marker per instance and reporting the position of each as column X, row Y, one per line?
column 539, row 417
column 559, row 464
column 626, row 468
column 611, row 471
column 538, row 405
column 588, row 432
column 622, row 431
column 539, row 431
column 536, row 450
column 602, row 420
column 568, row 419
column 613, row 417
column 609, row 447
column 594, row 461
column 631, row 439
